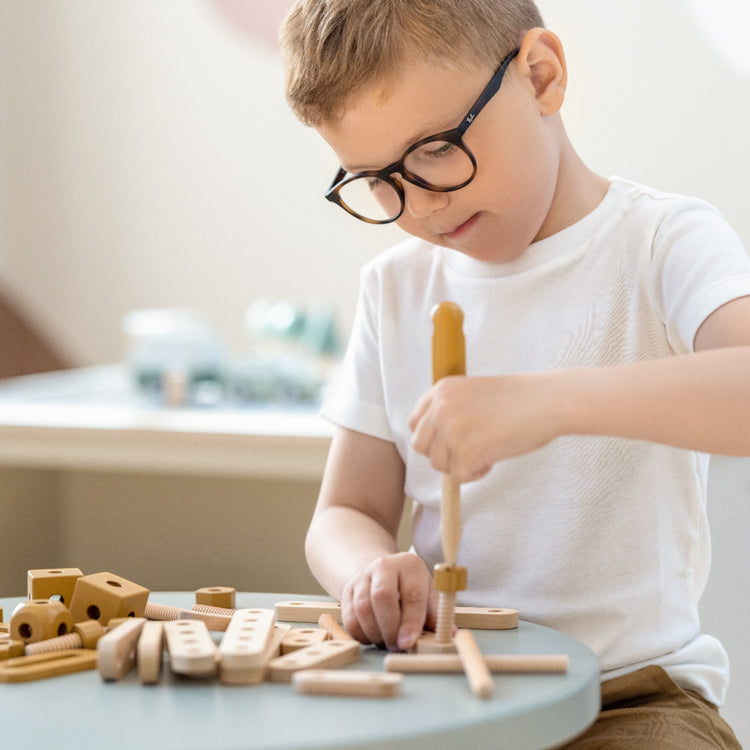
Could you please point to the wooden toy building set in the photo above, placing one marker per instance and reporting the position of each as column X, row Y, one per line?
column 74, row 622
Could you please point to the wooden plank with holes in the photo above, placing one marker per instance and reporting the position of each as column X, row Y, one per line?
column 302, row 611
column 325, row 655
column 348, row 682
column 243, row 648
column 41, row 666
column 117, row 649
column 192, row 652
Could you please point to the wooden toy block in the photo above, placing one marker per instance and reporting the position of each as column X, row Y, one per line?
column 10, row 649
column 428, row 643
column 117, row 649
column 447, row 663
column 350, row 683
column 242, row 652
column 328, row 654
column 334, row 630
column 39, row 620
column 475, row 667
column 149, row 652
column 44, row 584
column 192, row 652
column 40, row 666
column 218, row 623
column 102, row 596
column 84, row 635
column 298, row 638
column 216, row 596
column 298, row 611
column 4, row 627
column 486, row 618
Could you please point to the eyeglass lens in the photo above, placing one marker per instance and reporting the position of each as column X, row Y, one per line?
column 436, row 163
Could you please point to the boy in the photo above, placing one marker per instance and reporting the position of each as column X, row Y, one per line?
column 607, row 329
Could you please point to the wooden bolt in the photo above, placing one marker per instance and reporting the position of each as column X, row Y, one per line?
column 84, row 635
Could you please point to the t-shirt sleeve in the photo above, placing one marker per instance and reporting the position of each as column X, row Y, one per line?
column 699, row 265
column 355, row 398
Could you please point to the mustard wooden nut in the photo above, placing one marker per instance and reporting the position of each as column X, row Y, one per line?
column 46, row 583
column 102, row 596
column 450, row 577
column 216, row 596
column 39, row 620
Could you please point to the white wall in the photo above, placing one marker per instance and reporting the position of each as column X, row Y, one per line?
column 148, row 156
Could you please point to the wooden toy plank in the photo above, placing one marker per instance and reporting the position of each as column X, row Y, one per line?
column 41, row 666
column 350, row 683
column 150, row 652
column 298, row 638
column 486, row 618
column 218, row 623
column 328, row 654
column 117, row 649
column 192, row 651
column 243, row 648
column 301, row 611
column 446, row 663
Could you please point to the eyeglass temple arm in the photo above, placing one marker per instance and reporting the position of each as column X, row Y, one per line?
column 489, row 92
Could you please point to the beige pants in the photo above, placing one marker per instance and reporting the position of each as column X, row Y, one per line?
column 646, row 710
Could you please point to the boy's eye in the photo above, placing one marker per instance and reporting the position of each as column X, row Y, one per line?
column 436, row 149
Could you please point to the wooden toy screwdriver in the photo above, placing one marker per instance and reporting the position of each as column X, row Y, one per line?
column 448, row 358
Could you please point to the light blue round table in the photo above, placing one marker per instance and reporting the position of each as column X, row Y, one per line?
column 527, row 712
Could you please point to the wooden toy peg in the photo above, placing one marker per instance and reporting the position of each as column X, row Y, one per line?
column 474, row 664
column 117, row 649
column 192, row 651
column 333, row 629
column 243, row 648
column 350, row 683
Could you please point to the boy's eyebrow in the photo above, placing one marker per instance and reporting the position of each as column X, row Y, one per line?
column 423, row 133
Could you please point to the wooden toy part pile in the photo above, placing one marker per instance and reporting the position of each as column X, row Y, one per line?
column 74, row 622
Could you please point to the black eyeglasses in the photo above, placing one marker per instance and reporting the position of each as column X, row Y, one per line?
column 441, row 163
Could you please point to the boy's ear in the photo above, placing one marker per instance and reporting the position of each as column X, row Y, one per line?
column 543, row 61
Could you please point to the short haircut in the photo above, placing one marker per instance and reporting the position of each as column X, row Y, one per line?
column 335, row 48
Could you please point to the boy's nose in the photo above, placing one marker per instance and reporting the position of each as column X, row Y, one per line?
column 421, row 203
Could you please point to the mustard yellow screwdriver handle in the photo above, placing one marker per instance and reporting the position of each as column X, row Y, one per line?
column 449, row 358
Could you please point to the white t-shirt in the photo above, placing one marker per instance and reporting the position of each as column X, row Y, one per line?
column 603, row 538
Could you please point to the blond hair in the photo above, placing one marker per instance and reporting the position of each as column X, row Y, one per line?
column 335, row 48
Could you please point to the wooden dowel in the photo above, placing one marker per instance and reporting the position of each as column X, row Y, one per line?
column 334, row 630
column 448, row 663
column 474, row 664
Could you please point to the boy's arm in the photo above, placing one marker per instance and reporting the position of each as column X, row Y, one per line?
column 352, row 549
column 697, row 401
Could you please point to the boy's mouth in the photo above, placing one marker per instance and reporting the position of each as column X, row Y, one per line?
column 461, row 228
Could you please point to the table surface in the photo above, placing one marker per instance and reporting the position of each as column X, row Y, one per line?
column 527, row 712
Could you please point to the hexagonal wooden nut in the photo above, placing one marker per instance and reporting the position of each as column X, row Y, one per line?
column 216, row 596
column 90, row 632
column 450, row 577
column 44, row 584
column 102, row 596
column 39, row 620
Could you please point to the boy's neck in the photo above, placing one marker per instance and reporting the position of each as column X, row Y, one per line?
column 578, row 191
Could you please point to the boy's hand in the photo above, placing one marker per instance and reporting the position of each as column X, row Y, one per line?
column 465, row 424
column 390, row 602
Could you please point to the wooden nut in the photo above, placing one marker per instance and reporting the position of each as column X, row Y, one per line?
column 39, row 620
column 90, row 632
column 216, row 596
column 450, row 577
